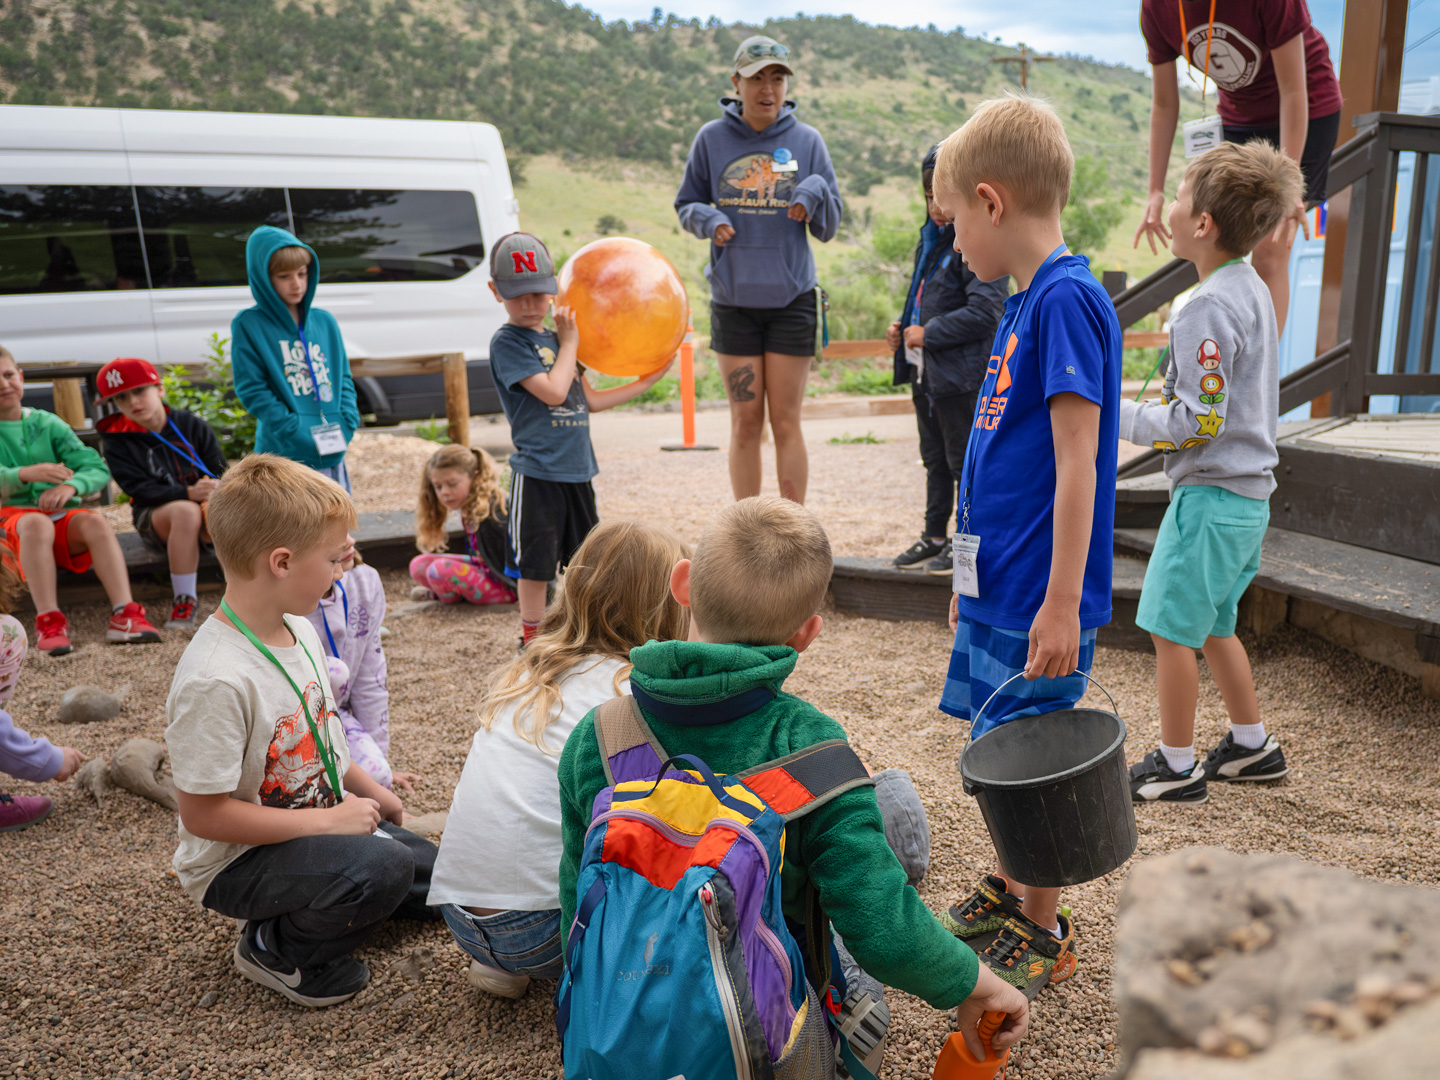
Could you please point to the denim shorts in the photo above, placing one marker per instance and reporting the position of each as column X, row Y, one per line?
column 520, row 942
column 1206, row 554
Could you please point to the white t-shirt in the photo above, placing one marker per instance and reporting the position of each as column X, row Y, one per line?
column 236, row 727
column 502, row 846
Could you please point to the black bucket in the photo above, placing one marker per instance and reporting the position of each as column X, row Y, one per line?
column 1055, row 794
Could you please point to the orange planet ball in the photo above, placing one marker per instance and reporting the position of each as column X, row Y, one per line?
column 630, row 307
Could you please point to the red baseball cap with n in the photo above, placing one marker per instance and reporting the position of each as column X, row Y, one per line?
column 127, row 373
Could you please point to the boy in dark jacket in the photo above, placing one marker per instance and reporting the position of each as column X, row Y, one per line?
column 168, row 461
column 942, row 343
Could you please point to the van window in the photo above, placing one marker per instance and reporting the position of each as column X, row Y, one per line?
column 68, row 238
column 195, row 236
column 365, row 236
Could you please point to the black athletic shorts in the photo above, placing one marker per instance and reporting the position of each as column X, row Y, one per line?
column 1320, row 139
column 789, row 330
column 549, row 520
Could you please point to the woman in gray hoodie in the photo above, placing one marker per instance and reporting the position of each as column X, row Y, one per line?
column 755, row 180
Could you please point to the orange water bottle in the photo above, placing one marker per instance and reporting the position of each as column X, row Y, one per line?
column 957, row 1063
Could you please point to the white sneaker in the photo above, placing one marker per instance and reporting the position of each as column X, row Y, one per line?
column 497, row 982
column 419, row 592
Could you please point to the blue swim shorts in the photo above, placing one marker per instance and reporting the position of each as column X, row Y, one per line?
column 1206, row 554
column 984, row 657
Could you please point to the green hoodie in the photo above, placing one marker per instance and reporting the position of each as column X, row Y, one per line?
column 42, row 438
column 272, row 378
column 840, row 847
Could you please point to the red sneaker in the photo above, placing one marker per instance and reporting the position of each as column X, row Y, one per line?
column 129, row 627
column 52, row 634
column 21, row 811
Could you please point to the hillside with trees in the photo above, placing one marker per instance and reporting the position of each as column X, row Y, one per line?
column 554, row 78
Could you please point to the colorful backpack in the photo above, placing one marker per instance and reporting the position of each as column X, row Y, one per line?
column 679, row 963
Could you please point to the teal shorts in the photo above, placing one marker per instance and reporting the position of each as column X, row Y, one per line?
column 1205, row 557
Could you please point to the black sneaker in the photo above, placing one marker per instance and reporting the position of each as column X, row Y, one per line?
column 943, row 564
column 918, row 554
column 329, row 984
column 1153, row 780
column 1230, row 761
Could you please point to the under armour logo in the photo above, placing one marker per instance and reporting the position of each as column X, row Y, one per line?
column 113, row 378
column 524, row 260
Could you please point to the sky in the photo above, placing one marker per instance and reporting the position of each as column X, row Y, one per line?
column 1109, row 30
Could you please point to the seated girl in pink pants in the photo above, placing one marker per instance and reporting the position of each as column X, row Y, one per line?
column 458, row 478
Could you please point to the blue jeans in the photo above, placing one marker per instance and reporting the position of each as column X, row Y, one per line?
column 339, row 474
column 520, row 942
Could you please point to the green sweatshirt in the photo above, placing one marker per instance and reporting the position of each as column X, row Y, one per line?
column 840, row 847
column 41, row 438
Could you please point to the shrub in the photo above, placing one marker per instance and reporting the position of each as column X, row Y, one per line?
column 212, row 398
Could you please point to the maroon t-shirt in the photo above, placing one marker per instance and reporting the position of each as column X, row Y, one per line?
column 1240, row 64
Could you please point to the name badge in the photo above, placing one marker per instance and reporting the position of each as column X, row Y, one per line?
column 966, row 551
column 329, row 439
column 915, row 354
column 1202, row 135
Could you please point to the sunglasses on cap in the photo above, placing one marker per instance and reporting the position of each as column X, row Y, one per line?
column 761, row 50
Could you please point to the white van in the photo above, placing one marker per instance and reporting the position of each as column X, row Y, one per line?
column 122, row 233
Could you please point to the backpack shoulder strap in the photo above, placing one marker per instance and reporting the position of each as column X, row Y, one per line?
column 628, row 748
column 798, row 783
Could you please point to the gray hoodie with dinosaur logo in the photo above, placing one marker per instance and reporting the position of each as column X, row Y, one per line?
column 747, row 179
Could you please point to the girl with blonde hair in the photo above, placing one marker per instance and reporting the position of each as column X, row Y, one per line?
column 497, row 876
column 459, row 478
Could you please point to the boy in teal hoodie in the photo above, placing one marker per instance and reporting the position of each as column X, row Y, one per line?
column 291, row 371
column 759, row 575
column 44, row 470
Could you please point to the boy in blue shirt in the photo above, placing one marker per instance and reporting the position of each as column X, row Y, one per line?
column 1033, row 551
column 548, row 401
column 291, row 371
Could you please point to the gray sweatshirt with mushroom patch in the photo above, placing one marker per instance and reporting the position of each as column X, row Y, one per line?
column 1216, row 417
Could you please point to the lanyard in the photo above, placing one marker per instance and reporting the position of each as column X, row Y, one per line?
column 322, row 746
column 1185, row 49
column 193, row 456
column 344, row 607
column 990, row 379
column 920, row 292
column 314, row 376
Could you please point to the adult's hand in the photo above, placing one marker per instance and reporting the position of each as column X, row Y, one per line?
column 1152, row 225
column 992, row 994
column 892, row 336
column 1286, row 229
column 798, row 212
column 914, row 336
column 723, row 233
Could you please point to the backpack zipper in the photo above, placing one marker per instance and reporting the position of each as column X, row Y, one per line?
column 715, row 933
column 684, row 839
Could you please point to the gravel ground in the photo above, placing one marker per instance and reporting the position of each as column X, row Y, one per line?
column 110, row 971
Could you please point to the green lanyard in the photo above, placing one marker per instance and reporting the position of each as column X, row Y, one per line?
column 322, row 747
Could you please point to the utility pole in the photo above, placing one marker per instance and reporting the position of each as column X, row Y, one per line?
column 1023, row 57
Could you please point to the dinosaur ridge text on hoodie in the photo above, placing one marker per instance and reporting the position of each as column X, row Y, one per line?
column 747, row 179
column 272, row 379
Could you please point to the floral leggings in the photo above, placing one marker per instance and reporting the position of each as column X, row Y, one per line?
column 453, row 578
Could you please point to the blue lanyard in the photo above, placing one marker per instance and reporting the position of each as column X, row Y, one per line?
column 193, row 456
column 344, row 607
column 987, row 388
column 920, row 292
column 314, row 376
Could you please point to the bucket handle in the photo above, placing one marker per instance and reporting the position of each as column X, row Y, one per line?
column 970, row 738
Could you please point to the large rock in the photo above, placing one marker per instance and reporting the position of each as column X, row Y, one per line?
column 1284, row 968
column 88, row 705
column 139, row 767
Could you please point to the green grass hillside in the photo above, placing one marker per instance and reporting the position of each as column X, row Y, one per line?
column 596, row 116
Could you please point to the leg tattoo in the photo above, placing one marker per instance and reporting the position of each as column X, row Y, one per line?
column 741, row 381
